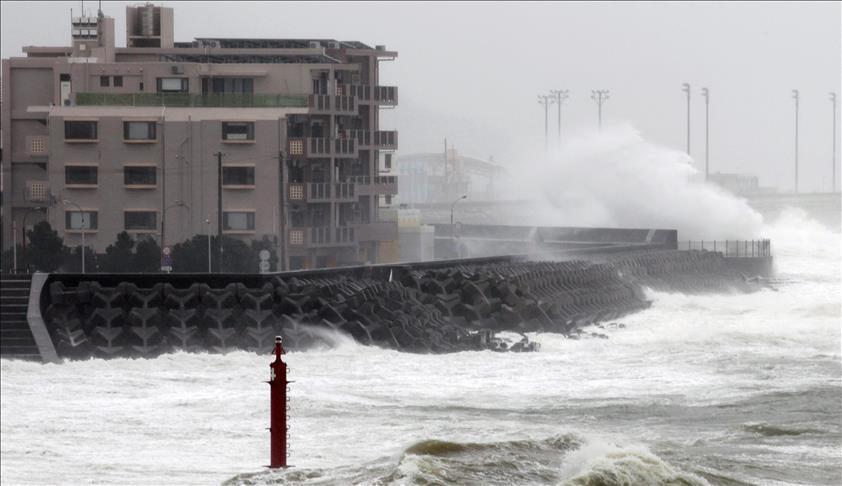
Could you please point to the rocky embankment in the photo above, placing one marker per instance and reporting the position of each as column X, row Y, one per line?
column 439, row 309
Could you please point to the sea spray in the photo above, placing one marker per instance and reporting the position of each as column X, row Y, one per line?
column 616, row 178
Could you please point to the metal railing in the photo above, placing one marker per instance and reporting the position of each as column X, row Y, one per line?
column 332, row 104
column 216, row 100
column 381, row 95
column 368, row 180
column 731, row 248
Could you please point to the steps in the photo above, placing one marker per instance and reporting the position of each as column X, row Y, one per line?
column 16, row 341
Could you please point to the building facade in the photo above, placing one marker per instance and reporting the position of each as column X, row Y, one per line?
column 252, row 138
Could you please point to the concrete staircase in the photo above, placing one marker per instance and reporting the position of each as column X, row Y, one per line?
column 16, row 339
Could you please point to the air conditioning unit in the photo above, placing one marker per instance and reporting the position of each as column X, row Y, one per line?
column 388, row 162
column 178, row 69
column 380, row 48
column 333, row 45
column 315, row 45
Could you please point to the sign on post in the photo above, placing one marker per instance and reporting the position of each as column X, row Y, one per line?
column 166, row 260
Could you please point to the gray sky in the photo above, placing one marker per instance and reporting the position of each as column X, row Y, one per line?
column 471, row 71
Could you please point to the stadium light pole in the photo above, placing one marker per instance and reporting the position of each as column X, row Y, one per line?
column 560, row 96
column 686, row 88
column 833, row 101
column 795, row 97
column 546, row 101
column 600, row 96
column 706, row 96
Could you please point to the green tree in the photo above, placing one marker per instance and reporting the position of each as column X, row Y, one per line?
column 191, row 256
column 147, row 257
column 45, row 250
column 73, row 261
column 118, row 256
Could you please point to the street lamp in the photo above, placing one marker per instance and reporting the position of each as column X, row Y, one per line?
column 686, row 88
column 176, row 204
column 207, row 222
column 452, row 207
column 82, row 213
column 560, row 96
column 600, row 96
column 795, row 97
column 833, row 100
column 546, row 101
column 706, row 96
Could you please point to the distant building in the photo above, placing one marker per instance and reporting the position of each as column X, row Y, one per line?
column 742, row 184
column 428, row 178
column 129, row 138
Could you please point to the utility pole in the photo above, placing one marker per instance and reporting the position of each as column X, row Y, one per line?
column 218, row 156
column 795, row 97
column 560, row 96
column 600, row 96
column 833, row 100
column 706, row 96
column 546, row 101
column 686, row 88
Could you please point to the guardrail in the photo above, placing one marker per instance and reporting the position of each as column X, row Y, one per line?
column 731, row 248
column 193, row 100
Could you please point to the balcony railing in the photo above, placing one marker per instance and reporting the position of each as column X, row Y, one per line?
column 322, row 236
column 371, row 186
column 328, row 104
column 320, row 147
column 217, row 100
column 321, row 192
column 377, row 140
column 380, row 95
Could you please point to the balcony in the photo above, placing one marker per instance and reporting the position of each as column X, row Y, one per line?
column 322, row 236
column 375, row 140
column 320, row 147
column 321, row 192
column 217, row 100
column 379, row 95
column 373, row 186
column 332, row 105
column 377, row 231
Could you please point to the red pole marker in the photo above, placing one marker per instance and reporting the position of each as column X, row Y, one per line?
column 278, row 410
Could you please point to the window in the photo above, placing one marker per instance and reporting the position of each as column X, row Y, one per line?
column 118, row 81
column 82, row 175
column 139, row 130
column 80, row 130
column 238, row 176
column 103, row 81
column 227, row 85
column 238, row 130
column 140, row 220
column 139, row 175
column 85, row 220
column 238, row 221
column 173, row 85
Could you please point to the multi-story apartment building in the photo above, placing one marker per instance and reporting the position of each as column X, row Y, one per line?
column 250, row 137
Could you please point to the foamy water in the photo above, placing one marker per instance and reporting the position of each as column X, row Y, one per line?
column 695, row 390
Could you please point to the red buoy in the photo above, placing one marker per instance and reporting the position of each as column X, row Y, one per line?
column 278, row 408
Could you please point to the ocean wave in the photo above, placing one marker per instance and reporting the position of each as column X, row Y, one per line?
column 564, row 459
column 767, row 430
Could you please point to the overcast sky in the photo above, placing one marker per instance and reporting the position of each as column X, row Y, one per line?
column 471, row 71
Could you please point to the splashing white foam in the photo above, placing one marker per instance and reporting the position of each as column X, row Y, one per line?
column 615, row 178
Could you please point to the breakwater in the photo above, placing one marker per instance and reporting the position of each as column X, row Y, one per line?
column 426, row 307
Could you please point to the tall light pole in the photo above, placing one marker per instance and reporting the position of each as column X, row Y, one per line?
column 546, row 101
column 452, row 207
column 833, row 100
column 560, row 96
column 207, row 222
column 176, row 204
column 706, row 96
column 600, row 96
column 82, row 213
column 686, row 88
column 795, row 97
